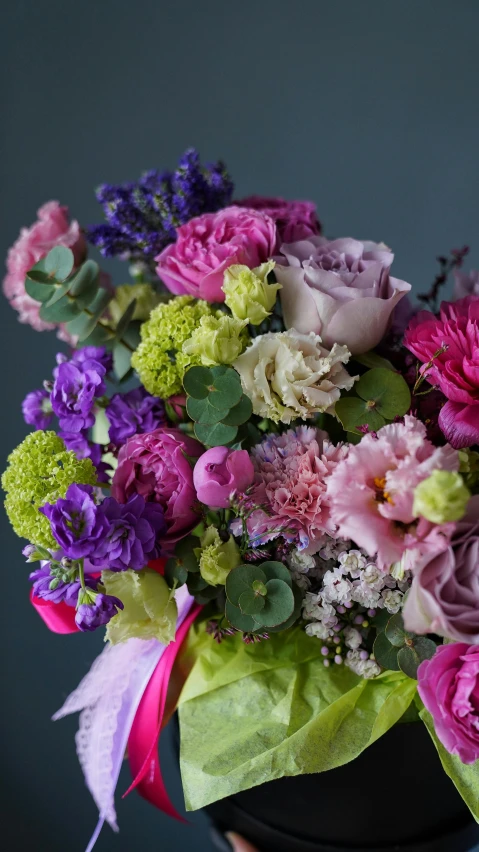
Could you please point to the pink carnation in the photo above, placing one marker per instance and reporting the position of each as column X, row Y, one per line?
column 290, row 482
column 209, row 244
column 454, row 371
column 155, row 465
column 295, row 220
column 371, row 492
column 51, row 229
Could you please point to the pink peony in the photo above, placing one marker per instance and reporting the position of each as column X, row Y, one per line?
column 219, row 472
column 156, row 466
column 295, row 220
column 290, row 482
column 51, row 229
column 340, row 289
column 444, row 594
column 371, row 492
column 456, row 370
column 209, row 244
column 449, row 687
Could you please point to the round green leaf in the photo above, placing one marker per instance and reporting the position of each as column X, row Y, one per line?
column 250, row 603
column 195, row 583
column 240, row 413
column 395, row 630
column 298, row 604
column 388, row 390
column 411, row 656
column 276, row 571
column 201, row 411
column 175, row 571
column 226, row 392
column 353, row 412
column 278, row 604
column 386, row 654
column 39, row 291
column 372, row 359
column 59, row 291
column 185, row 553
column 197, row 382
column 62, row 311
column 96, row 309
column 240, row 579
column 84, row 285
column 59, row 262
column 215, row 434
column 121, row 360
column 246, row 623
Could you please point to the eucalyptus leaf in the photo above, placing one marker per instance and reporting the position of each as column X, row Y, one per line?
column 185, row 553
column 215, row 434
column 395, row 630
column 276, row 571
column 125, row 320
column 60, row 290
column 96, row 309
column 236, row 618
column 226, row 391
column 250, row 603
column 62, row 311
column 240, row 413
column 175, row 572
column 121, row 359
column 372, row 359
column 386, row 655
column 195, row 583
column 201, row 411
column 197, row 382
column 278, row 604
column 411, row 656
column 240, row 579
column 84, row 285
column 298, row 604
column 354, row 412
column 131, row 335
column 387, row 390
column 37, row 290
column 59, row 262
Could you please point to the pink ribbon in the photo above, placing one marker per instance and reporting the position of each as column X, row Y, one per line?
column 59, row 617
column 146, row 728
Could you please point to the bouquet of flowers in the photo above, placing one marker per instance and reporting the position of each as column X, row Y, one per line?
column 284, row 505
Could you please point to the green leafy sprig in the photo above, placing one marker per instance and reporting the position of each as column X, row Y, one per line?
column 396, row 649
column 261, row 597
column 216, row 404
column 378, row 397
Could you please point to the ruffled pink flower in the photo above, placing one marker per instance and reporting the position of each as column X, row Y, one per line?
column 209, row 244
column 219, row 472
column 454, row 371
column 51, row 229
column 449, row 687
column 155, row 465
column 371, row 492
column 290, row 482
column 295, row 220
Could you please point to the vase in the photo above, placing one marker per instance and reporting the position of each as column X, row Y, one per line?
column 395, row 797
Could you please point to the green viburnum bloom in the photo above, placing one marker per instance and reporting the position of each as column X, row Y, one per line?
column 146, row 299
column 149, row 611
column 218, row 339
column 442, row 497
column 159, row 359
column 248, row 294
column 40, row 471
column 217, row 557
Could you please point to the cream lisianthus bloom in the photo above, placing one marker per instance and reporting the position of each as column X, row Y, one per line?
column 290, row 375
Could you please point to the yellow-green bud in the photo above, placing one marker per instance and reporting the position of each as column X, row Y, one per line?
column 469, row 467
column 217, row 340
column 442, row 497
column 146, row 299
column 149, row 610
column 248, row 294
column 217, row 557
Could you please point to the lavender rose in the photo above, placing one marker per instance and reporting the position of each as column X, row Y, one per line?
column 449, row 687
column 209, row 244
column 340, row 289
column 445, row 590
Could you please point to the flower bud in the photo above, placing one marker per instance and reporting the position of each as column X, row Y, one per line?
column 217, row 340
column 442, row 497
column 217, row 558
column 248, row 294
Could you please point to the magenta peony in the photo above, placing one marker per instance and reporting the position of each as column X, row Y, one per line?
column 209, row 244
column 340, row 289
column 51, row 229
column 449, row 687
column 455, row 371
column 371, row 492
column 219, row 472
column 295, row 220
column 444, row 594
column 156, row 466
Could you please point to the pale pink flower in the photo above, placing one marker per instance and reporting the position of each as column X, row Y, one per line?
column 370, row 493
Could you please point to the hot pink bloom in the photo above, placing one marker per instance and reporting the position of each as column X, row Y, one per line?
column 449, row 687
column 295, row 220
column 219, row 472
column 156, row 466
column 371, row 491
column 456, row 370
column 290, row 482
column 51, row 229
column 209, row 244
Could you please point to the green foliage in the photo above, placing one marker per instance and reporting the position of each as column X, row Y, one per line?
column 396, row 649
column 216, row 403
column 380, row 396
column 259, row 596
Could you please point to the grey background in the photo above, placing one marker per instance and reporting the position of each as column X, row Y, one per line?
column 369, row 108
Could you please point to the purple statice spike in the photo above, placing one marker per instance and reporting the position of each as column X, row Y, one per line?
column 108, row 698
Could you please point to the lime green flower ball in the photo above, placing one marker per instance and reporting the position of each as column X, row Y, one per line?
column 39, row 471
column 159, row 360
column 217, row 340
column 442, row 497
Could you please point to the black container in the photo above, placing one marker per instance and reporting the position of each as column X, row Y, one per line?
column 395, row 797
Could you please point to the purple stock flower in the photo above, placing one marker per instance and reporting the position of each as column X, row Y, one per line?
column 134, row 413
column 99, row 354
column 83, row 448
column 51, row 588
column 103, row 608
column 131, row 539
column 77, row 523
column 74, row 392
column 37, row 409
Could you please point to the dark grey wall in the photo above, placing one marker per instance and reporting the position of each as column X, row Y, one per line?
column 369, row 108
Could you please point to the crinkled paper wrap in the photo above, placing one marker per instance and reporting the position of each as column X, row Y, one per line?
column 253, row 713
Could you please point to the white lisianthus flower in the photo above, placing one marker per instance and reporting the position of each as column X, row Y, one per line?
column 289, row 375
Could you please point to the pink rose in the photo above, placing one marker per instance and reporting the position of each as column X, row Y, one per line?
column 295, row 220
column 51, row 229
column 449, row 687
column 209, row 244
column 156, row 466
column 444, row 595
column 219, row 472
column 340, row 289
column 455, row 371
